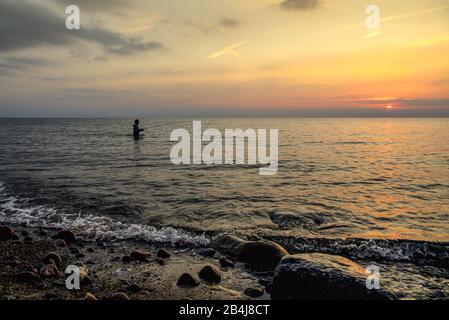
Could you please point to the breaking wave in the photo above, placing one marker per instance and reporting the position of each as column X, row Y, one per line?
column 433, row 253
column 17, row 211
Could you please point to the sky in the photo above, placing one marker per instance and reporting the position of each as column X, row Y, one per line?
column 224, row 58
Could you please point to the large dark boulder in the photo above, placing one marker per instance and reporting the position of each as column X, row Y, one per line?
column 261, row 255
column 318, row 276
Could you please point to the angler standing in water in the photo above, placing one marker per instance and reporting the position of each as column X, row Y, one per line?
column 137, row 130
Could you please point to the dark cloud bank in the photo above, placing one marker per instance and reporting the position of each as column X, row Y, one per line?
column 28, row 25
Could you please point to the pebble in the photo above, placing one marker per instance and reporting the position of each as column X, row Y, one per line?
column 208, row 252
column 74, row 250
column 226, row 263
column 7, row 233
column 54, row 258
column 254, row 292
column 140, row 255
column 134, row 288
column 49, row 271
column 59, row 243
column 188, row 281
column 90, row 297
column 210, row 274
column 127, row 259
column 66, row 235
column 164, row 254
column 118, row 296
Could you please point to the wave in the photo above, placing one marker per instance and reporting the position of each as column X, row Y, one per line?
column 89, row 227
column 433, row 253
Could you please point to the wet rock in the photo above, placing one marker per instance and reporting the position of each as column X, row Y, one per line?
column 188, row 281
column 29, row 277
column 160, row 261
column 90, row 250
column 85, row 279
column 207, row 252
column 261, row 255
column 134, row 288
column 265, row 281
column 28, row 239
column 59, row 243
column 140, row 255
column 226, row 262
column 118, row 296
column 49, row 271
column 254, row 292
column 164, row 254
column 90, row 297
column 210, row 274
column 318, row 276
column 52, row 258
column 7, row 233
column 66, row 235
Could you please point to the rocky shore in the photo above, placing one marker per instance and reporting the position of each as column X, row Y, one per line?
column 33, row 264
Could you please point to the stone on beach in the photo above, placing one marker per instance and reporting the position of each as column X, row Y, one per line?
column 140, row 255
column 210, row 274
column 52, row 258
column 188, row 281
column 90, row 297
column 164, row 254
column 66, row 235
column 317, row 276
column 118, row 296
column 59, row 243
column 262, row 255
column 49, row 271
column 226, row 262
column 7, row 233
column 254, row 292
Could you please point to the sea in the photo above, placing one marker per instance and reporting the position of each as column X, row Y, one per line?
column 370, row 189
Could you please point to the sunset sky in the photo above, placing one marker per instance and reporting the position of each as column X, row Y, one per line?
column 224, row 57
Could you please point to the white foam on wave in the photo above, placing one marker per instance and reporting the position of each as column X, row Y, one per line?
column 15, row 211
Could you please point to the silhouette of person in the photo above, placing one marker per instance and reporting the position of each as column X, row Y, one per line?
column 137, row 130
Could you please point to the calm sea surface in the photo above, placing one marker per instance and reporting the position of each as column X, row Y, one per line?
column 337, row 178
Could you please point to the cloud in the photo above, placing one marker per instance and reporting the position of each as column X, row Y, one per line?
column 9, row 66
column 300, row 4
column 95, row 5
column 24, row 25
column 229, row 23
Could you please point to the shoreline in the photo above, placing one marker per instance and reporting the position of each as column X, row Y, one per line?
column 230, row 268
column 112, row 272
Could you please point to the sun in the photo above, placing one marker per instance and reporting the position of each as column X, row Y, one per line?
column 389, row 107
